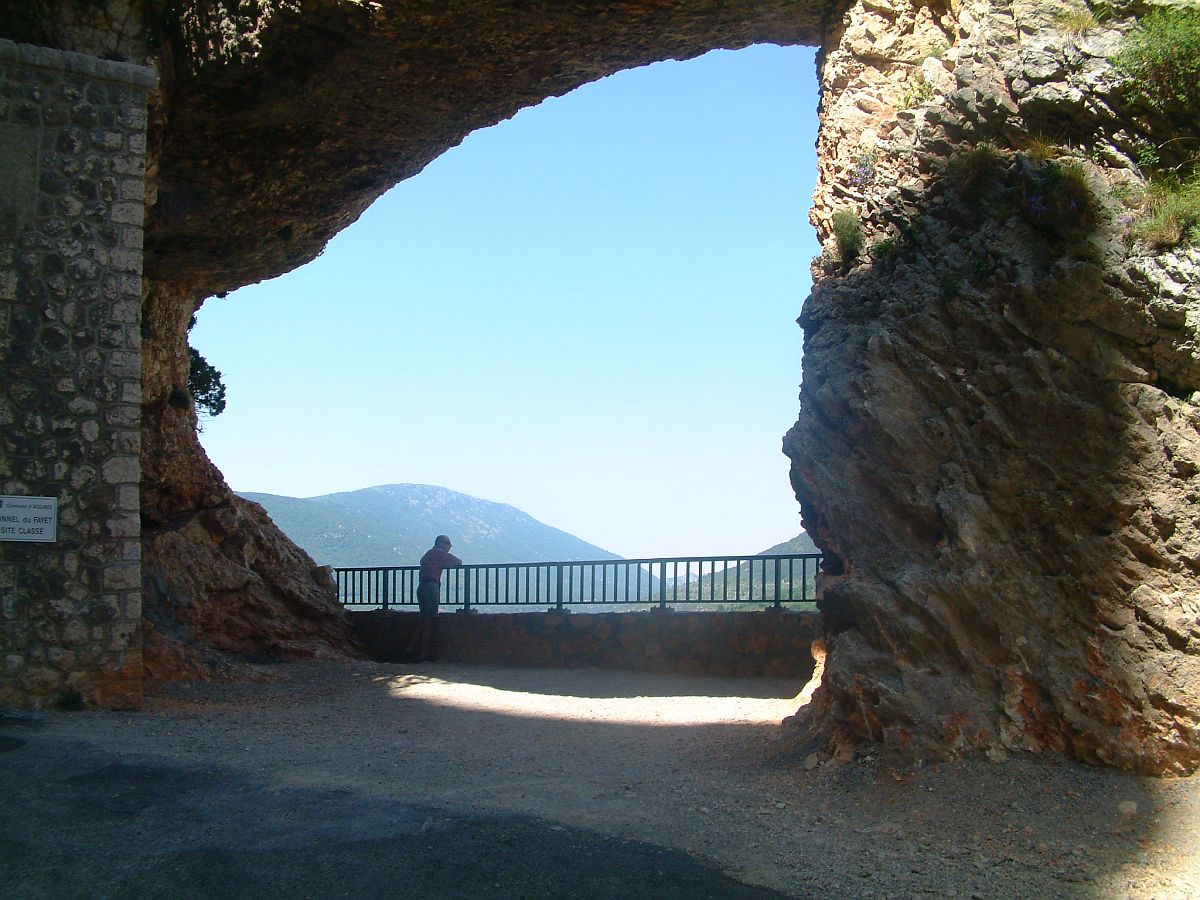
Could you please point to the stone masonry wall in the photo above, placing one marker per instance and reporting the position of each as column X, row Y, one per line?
column 747, row 644
column 72, row 183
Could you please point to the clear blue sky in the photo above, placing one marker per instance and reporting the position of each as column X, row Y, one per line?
column 587, row 311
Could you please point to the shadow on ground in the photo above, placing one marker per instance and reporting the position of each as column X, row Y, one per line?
column 76, row 822
column 361, row 779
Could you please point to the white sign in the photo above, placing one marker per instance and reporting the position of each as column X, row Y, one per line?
column 28, row 518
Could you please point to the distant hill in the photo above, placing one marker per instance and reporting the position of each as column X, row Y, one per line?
column 393, row 524
column 801, row 543
column 797, row 581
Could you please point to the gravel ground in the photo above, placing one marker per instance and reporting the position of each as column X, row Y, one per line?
column 459, row 781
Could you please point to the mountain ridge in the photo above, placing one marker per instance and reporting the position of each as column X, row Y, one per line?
column 393, row 524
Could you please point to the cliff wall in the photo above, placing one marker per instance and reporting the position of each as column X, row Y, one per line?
column 998, row 435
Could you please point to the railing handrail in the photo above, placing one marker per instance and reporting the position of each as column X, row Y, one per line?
column 592, row 562
column 566, row 582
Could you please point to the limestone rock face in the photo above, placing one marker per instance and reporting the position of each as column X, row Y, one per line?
column 222, row 583
column 999, row 434
column 244, row 594
column 285, row 121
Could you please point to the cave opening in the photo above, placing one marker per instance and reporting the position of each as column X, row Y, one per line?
column 586, row 311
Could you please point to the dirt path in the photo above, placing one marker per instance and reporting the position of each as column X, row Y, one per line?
column 688, row 774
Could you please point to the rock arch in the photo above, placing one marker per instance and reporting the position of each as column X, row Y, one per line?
column 998, row 433
column 337, row 104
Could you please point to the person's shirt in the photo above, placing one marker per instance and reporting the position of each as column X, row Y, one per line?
column 434, row 560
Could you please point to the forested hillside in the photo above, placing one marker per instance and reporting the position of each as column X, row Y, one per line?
column 392, row 525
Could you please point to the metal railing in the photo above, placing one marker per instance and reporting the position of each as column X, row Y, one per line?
column 662, row 581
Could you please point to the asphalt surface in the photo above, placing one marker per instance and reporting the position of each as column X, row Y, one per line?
column 77, row 822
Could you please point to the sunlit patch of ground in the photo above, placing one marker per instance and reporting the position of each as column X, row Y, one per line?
column 687, row 709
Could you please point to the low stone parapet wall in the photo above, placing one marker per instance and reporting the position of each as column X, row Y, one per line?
column 759, row 643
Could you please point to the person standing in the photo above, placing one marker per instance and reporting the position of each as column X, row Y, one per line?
column 422, row 646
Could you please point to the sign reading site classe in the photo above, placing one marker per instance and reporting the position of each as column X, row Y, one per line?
column 28, row 518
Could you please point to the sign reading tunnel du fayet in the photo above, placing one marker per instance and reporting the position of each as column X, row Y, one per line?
column 28, row 518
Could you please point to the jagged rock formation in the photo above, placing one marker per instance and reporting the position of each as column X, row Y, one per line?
column 998, row 438
column 999, row 434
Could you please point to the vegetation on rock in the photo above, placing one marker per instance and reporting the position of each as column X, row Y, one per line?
column 919, row 92
column 971, row 170
column 204, row 382
column 1056, row 197
column 1078, row 21
column 848, row 235
column 1172, row 213
column 862, row 173
column 1161, row 59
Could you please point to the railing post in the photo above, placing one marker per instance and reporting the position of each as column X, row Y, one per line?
column 466, row 583
column 558, row 586
column 778, row 586
column 662, row 585
column 385, row 574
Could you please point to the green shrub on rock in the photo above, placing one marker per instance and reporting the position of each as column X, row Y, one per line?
column 1056, row 198
column 1077, row 21
column 1161, row 59
column 918, row 93
column 971, row 170
column 886, row 249
column 848, row 235
column 205, row 384
column 1172, row 213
